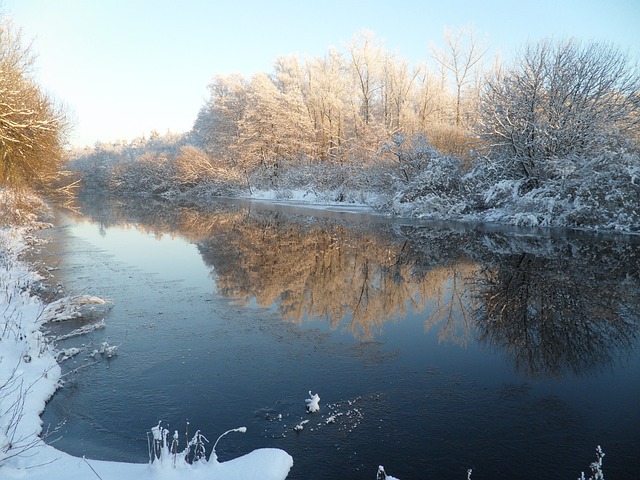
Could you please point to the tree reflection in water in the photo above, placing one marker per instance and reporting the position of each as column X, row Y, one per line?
column 351, row 277
column 555, row 305
column 572, row 311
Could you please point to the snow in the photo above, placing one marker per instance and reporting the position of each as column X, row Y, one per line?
column 382, row 475
column 308, row 200
column 30, row 375
column 313, row 403
column 300, row 426
column 80, row 306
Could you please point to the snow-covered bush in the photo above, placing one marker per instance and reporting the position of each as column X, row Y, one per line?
column 149, row 173
column 605, row 192
column 93, row 167
column 441, row 178
column 115, row 166
column 196, row 172
column 427, row 182
column 20, row 206
column 601, row 192
column 413, row 155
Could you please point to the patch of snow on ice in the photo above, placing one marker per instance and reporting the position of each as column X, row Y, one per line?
column 80, row 306
column 301, row 425
column 313, row 403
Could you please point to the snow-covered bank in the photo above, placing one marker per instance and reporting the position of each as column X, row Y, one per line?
column 30, row 374
column 598, row 193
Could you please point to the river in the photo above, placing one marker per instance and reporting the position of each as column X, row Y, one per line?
column 434, row 348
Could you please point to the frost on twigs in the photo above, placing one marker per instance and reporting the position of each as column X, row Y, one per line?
column 300, row 426
column 84, row 330
column 162, row 451
column 596, row 467
column 106, row 350
column 313, row 403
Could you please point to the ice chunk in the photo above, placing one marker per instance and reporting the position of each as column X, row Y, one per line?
column 313, row 403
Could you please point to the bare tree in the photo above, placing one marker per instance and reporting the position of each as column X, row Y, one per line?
column 461, row 55
column 559, row 99
column 366, row 62
column 31, row 127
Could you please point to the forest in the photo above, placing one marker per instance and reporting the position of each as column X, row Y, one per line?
column 548, row 139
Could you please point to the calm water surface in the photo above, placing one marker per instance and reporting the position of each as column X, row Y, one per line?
column 434, row 348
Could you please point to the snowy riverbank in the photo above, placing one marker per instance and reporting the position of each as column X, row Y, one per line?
column 30, row 375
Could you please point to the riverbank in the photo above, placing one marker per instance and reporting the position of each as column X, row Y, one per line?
column 30, row 375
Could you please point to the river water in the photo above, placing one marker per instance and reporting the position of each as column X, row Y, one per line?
column 434, row 348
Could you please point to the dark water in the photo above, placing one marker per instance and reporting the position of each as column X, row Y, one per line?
column 434, row 348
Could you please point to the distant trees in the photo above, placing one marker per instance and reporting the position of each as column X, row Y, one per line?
column 552, row 139
column 336, row 108
column 31, row 126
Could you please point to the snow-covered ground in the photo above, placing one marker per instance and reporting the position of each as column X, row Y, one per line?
column 30, row 374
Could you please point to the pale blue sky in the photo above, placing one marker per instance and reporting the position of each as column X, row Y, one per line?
column 126, row 67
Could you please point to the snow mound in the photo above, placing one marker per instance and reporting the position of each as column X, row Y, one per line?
column 313, row 403
column 382, row 475
column 79, row 306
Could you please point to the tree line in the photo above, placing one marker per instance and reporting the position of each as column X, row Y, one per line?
column 550, row 138
column 342, row 106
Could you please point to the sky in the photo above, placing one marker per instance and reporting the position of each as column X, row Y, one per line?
column 123, row 68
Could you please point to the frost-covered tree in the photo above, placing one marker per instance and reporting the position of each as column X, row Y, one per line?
column 31, row 127
column 461, row 56
column 275, row 125
column 325, row 94
column 366, row 60
column 429, row 100
column 559, row 99
column 399, row 82
column 216, row 128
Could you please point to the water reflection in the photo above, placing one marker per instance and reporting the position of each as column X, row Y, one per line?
column 555, row 305
column 352, row 278
column 572, row 311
